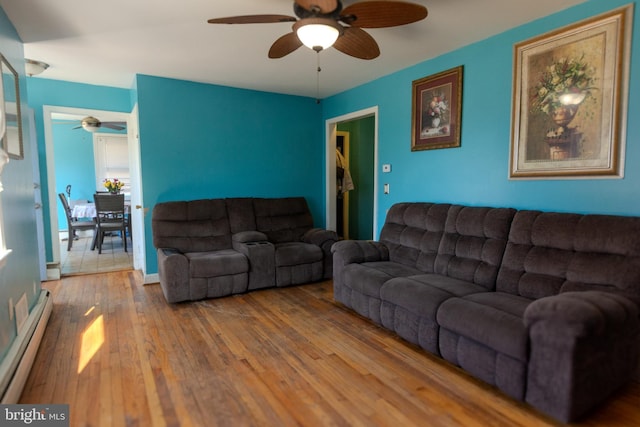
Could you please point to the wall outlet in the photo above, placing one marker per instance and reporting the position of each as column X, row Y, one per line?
column 22, row 312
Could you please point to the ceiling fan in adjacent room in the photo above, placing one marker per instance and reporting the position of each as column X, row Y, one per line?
column 91, row 124
column 320, row 24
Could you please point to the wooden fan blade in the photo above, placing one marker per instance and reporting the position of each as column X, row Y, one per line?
column 324, row 6
column 111, row 125
column 252, row 19
column 357, row 43
column 284, row 45
column 381, row 14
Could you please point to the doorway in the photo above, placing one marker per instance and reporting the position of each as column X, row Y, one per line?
column 344, row 183
column 362, row 211
column 124, row 260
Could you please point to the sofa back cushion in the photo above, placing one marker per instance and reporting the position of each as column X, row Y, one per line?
column 412, row 233
column 473, row 244
column 284, row 219
column 191, row 226
column 551, row 252
column 241, row 214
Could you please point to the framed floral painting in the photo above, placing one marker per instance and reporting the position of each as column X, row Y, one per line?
column 436, row 108
column 570, row 98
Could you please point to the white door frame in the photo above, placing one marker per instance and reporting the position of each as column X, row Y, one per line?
column 138, row 211
column 37, row 194
column 107, row 116
column 330, row 169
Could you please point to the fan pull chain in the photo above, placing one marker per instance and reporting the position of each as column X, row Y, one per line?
column 318, row 78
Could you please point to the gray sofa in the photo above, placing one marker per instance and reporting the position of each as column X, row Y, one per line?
column 544, row 306
column 217, row 247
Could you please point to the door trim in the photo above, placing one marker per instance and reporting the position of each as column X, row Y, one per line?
column 47, row 111
column 345, row 195
column 331, row 127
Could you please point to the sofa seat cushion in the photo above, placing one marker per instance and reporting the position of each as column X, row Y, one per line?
column 423, row 294
column 410, row 304
column 216, row 263
column 296, row 253
column 367, row 278
column 493, row 319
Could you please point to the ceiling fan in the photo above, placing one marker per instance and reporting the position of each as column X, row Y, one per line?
column 320, row 24
column 91, row 124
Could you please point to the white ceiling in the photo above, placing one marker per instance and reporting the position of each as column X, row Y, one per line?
column 108, row 42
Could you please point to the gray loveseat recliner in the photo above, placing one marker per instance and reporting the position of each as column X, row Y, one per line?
column 544, row 306
column 216, row 247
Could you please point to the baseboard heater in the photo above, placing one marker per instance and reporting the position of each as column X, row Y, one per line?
column 16, row 365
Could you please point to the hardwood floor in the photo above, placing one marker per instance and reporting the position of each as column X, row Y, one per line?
column 119, row 355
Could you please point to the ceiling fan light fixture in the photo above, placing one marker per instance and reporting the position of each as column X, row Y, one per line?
column 89, row 128
column 33, row 67
column 90, row 124
column 318, row 33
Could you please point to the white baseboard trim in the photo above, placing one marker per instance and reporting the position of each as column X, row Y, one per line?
column 151, row 278
column 53, row 271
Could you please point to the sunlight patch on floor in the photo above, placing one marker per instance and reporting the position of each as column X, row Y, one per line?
column 92, row 340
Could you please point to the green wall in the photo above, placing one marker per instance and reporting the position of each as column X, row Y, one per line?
column 361, row 161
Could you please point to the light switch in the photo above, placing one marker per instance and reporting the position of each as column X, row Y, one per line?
column 386, row 189
column 386, row 168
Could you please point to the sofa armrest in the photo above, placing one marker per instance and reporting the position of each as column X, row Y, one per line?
column 356, row 251
column 347, row 252
column 325, row 240
column 587, row 313
column 584, row 346
column 320, row 237
column 173, row 270
column 248, row 236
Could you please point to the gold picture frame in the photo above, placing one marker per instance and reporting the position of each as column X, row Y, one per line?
column 570, row 100
column 436, row 110
column 12, row 117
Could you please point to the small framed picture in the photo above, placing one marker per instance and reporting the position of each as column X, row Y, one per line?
column 436, row 108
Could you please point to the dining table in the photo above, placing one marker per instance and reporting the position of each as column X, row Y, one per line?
column 80, row 209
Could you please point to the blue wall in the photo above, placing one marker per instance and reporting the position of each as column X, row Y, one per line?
column 477, row 172
column 74, row 163
column 206, row 141
column 66, row 94
column 73, row 152
column 200, row 141
column 21, row 274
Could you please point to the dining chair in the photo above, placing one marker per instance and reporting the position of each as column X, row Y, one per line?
column 74, row 225
column 110, row 217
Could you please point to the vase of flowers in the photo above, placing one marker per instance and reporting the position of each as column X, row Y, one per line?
column 436, row 109
column 562, row 87
column 113, row 186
